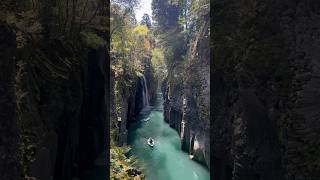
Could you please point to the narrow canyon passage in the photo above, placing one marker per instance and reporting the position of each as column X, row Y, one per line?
column 166, row 160
column 160, row 44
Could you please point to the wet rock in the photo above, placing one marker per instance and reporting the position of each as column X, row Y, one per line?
column 133, row 172
column 186, row 93
column 133, row 100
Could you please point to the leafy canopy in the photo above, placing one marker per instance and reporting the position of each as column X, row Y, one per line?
column 141, row 30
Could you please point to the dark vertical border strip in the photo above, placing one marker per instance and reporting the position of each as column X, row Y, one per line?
column 211, row 87
column 107, row 11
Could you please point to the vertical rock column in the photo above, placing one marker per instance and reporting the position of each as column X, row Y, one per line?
column 10, row 157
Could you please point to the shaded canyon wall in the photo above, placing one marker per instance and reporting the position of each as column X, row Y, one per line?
column 55, row 107
column 265, row 90
column 131, row 100
column 186, row 92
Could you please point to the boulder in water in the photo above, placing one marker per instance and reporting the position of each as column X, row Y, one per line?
column 133, row 172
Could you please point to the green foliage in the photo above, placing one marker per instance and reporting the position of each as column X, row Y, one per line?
column 129, row 42
column 92, row 39
column 141, row 30
column 199, row 8
column 157, row 56
column 158, row 63
column 120, row 163
column 166, row 13
column 128, row 4
column 170, row 17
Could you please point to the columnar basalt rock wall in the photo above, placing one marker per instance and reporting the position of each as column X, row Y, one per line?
column 131, row 100
column 186, row 93
column 265, row 95
column 58, row 108
column 75, row 99
column 11, row 157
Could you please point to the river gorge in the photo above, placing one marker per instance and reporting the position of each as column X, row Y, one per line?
column 165, row 160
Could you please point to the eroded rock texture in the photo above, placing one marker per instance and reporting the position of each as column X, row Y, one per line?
column 53, row 107
column 265, row 90
column 186, row 92
column 10, row 155
column 127, row 102
column 64, row 113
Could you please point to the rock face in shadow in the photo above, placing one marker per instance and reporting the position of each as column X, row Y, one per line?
column 130, row 99
column 265, row 90
column 93, row 125
column 78, row 126
column 131, row 104
column 10, row 160
column 186, row 93
column 56, row 97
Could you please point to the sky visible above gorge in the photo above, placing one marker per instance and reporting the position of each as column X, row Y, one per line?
column 145, row 8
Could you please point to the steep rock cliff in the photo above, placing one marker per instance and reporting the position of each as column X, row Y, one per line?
column 265, row 95
column 58, row 107
column 186, row 92
column 10, row 163
column 127, row 98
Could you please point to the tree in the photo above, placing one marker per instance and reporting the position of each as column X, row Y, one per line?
column 165, row 13
column 146, row 21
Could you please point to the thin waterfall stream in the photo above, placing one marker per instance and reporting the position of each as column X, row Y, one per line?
column 145, row 93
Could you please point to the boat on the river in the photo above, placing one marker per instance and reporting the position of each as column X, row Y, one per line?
column 146, row 119
column 151, row 142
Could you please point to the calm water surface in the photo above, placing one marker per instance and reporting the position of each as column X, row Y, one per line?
column 166, row 160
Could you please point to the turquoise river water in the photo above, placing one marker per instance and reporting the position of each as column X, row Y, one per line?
column 166, row 160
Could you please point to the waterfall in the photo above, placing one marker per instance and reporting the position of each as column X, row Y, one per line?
column 145, row 93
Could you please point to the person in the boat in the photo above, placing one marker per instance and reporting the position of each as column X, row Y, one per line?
column 150, row 141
